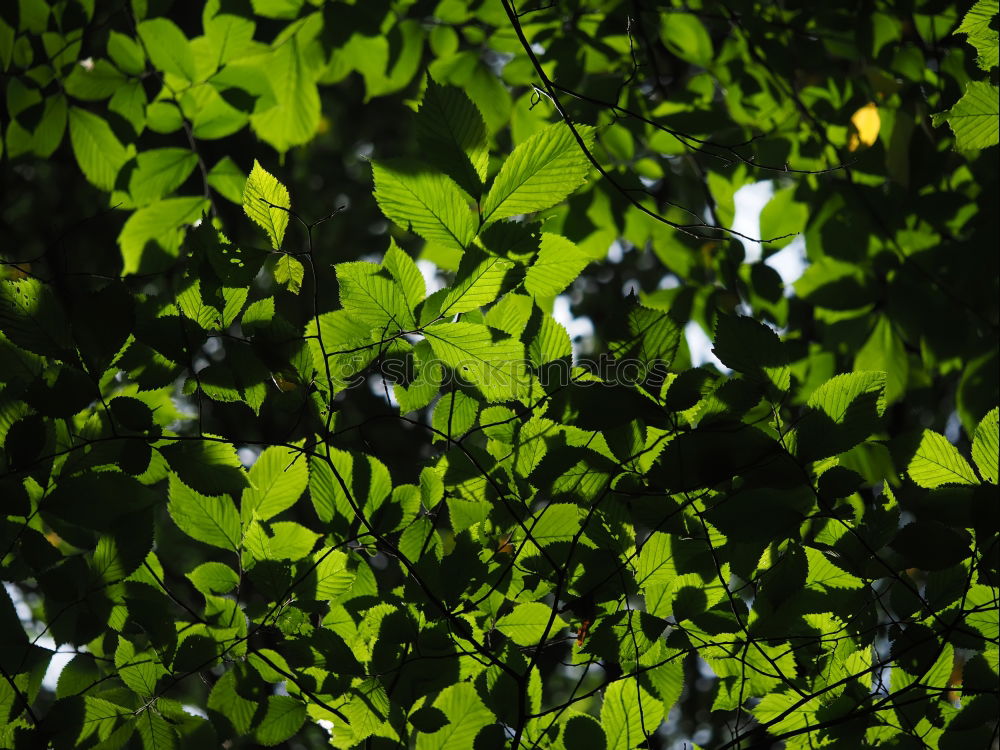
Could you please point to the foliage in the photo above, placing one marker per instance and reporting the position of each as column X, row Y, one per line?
column 975, row 116
column 267, row 484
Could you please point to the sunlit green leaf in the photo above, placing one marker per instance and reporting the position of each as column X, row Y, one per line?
column 168, row 48
column 424, row 201
column 985, row 446
column 97, row 149
column 975, row 118
column 277, row 480
column 212, row 520
column 265, row 200
column 465, row 715
column 937, row 462
column 539, row 173
column 629, row 714
column 528, row 623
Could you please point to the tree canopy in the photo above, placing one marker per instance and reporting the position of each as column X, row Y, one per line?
column 405, row 373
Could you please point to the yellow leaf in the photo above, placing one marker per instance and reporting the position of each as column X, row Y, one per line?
column 865, row 125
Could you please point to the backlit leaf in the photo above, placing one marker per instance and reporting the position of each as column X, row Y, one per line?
column 527, row 624
column 265, row 200
column 938, row 462
column 986, row 446
column 424, row 201
column 539, row 173
column 278, row 478
column 209, row 519
column 975, row 118
column 168, row 48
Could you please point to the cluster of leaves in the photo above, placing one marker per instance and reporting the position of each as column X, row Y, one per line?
column 975, row 116
column 256, row 490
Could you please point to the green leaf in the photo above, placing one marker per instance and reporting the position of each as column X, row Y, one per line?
column 212, row 116
column 975, row 118
column 495, row 365
column 477, row 284
column 277, row 8
column 835, row 397
column 558, row 522
column 656, row 563
column 540, row 173
column 977, row 24
column 425, row 383
column 213, row 578
column 155, row 732
column 266, row 202
column 225, row 699
column 347, row 345
column 77, row 676
column 629, row 715
column 152, row 236
column 227, row 179
column 526, row 624
column 230, row 35
column 582, row 732
column 668, row 682
column 845, row 411
column 937, row 462
column 296, row 114
column 753, row 349
column 159, row 172
column 126, row 53
column 466, row 715
column 140, row 670
column 168, row 48
column 210, row 465
column 371, row 295
column 787, row 712
column 212, row 520
column 278, row 478
column 164, row 116
column 240, row 377
column 118, row 554
column 511, row 314
column 41, row 139
column 986, row 446
column 365, row 478
column 452, row 133
column 824, row 576
column 291, row 541
column 884, row 350
column 331, row 575
column 406, row 274
column 129, row 101
column 783, row 215
column 549, row 342
column 455, row 414
column 654, row 339
column 424, row 201
column 94, row 84
column 30, row 316
column 387, row 62
column 97, row 500
column 559, row 262
column 366, row 710
column 289, row 273
column 283, row 718
column 98, row 151
column 685, row 36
